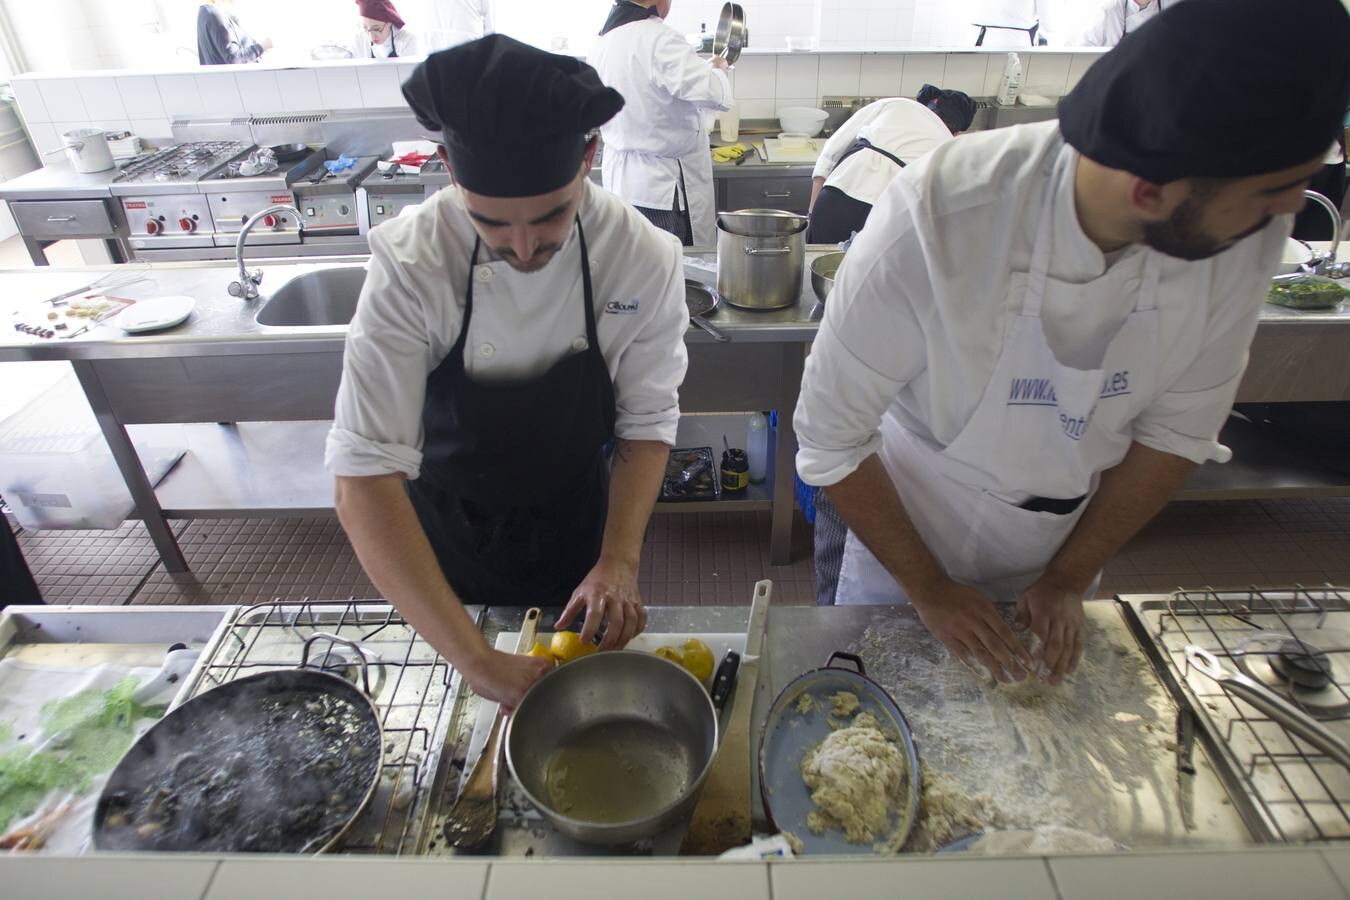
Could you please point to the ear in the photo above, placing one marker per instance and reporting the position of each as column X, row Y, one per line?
column 588, row 158
column 1156, row 202
column 445, row 160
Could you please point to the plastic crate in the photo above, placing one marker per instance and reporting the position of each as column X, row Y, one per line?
column 56, row 470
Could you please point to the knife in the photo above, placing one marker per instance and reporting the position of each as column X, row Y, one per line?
column 1186, row 767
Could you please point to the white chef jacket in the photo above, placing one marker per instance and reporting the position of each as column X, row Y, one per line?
column 665, row 87
column 465, row 20
column 919, row 309
column 1019, row 14
column 902, row 127
column 412, row 306
column 405, row 42
column 1115, row 19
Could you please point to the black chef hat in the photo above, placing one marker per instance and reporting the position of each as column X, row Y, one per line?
column 1217, row 89
column 955, row 108
column 514, row 118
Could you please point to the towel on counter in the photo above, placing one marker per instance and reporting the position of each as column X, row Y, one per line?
column 727, row 154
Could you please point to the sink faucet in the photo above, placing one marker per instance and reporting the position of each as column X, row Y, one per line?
column 246, row 288
column 1327, row 265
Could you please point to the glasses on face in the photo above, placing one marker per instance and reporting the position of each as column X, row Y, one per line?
column 381, row 28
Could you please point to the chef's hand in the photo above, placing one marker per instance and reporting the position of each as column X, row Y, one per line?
column 504, row 677
column 967, row 623
column 720, row 62
column 1054, row 612
column 609, row 595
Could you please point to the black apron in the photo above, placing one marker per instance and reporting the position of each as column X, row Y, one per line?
column 836, row 215
column 514, row 485
column 625, row 12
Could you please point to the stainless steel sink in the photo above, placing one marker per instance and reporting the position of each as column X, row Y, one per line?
column 323, row 298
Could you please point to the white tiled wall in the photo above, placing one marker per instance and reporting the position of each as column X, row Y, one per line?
column 146, row 103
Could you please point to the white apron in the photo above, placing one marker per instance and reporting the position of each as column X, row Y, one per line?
column 1041, row 427
column 696, row 194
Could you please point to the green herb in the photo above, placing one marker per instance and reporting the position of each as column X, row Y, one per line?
column 84, row 735
column 1306, row 294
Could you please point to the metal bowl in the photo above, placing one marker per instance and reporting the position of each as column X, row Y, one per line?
column 762, row 222
column 622, row 740
column 823, row 269
column 731, row 36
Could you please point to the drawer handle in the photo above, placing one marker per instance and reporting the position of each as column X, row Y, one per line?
column 63, row 219
column 772, row 196
column 767, row 251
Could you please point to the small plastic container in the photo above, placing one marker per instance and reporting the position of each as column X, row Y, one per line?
column 757, row 447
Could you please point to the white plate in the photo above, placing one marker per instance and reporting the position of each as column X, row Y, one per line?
column 156, row 313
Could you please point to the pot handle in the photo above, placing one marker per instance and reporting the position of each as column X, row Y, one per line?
column 334, row 639
column 845, row 657
column 767, row 251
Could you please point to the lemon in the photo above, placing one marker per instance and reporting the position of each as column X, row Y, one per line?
column 542, row 652
column 671, row 653
column 567, row 646
column 698, row 659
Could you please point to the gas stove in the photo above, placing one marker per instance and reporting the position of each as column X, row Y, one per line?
column 233, row 197
column 412, row 687
column 327, row 201
column 159, row 194
column 1295, row 641
column 173, row 168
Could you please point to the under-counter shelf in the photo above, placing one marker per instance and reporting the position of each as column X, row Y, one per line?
column 1266, row 465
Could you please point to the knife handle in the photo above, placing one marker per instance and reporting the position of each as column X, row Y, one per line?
column 724, row 679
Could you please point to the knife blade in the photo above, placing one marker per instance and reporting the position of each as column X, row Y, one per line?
column 1186, row 767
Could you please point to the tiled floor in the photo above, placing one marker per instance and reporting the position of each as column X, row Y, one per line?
column 690, row 559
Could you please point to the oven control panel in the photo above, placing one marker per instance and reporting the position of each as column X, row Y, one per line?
column 231, row 209
column 330, row 212
column 386, row 205
column 168, row 220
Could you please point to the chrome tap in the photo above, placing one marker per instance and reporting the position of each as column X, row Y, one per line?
column 246, row 288
column 1327, row 265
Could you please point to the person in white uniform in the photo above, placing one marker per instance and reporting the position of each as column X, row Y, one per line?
column 465, row 20
column 1039, row 333
column 1008, row 24
column 383, row 33
column 865, row 153
column 1116, row 18
column 509, row 331
column 656, row 150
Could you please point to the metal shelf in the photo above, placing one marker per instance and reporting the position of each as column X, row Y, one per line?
column 1267, row 465
column 706, row 430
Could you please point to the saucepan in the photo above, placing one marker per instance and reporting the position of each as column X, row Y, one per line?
column 87, row 149
column 288, row 153
column 613, row 747
column 278, row 762
column 703, row 301
column 761, row 255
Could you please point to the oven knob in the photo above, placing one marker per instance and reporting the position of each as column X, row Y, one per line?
column 345, row 210
column 270, row 221
column 187, row 225
column 153, row 227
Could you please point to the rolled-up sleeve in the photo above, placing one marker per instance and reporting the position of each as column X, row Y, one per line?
column 843, row 138
column 651, row 369
column 377, row 421
column 1187, row 415
column 870, row 345
column 683, row 75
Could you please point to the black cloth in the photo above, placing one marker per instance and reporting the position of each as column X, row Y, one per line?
column 829, row 535
column 1217, row 89
column 955, row 108
column 674, row 220
column 625, row 12
column 514, row 118
column 514, row 486
column 221, row 40
column 836, row 215
column 17, row 586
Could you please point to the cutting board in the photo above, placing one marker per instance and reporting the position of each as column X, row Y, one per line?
column 777, row 153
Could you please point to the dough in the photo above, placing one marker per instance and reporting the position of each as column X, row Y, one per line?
column 844, row 704
column 856, row 776
column 805, row 703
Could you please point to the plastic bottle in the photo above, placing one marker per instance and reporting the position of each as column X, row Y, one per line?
column 757, row 447
column 1011, row 83
column 729, row 124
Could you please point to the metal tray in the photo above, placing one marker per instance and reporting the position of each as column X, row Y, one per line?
column 679, row 459
column 788, row 736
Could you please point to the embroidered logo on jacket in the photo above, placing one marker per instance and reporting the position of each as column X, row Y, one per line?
column 619, row 308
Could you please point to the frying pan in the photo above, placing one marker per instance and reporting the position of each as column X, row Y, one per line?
column 278, row 762
column 732, row 36
column 288, row 153
column 702, row 301
column 790, row 735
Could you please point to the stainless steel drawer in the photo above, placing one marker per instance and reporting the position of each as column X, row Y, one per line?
column 63, row 218
column 792, row 194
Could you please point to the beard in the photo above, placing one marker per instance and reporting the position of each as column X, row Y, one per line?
column 1182, row 236
column 541, row 258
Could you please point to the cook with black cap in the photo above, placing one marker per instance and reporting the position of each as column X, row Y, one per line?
column 656, row 150
column 383, row 33
column 1039, row 333
column 873, row 144
column 509, row 329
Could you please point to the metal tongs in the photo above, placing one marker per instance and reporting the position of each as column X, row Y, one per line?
column 1270, row 704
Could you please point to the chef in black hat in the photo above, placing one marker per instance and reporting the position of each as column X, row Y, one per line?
column 1039, row 333
column 509, row 330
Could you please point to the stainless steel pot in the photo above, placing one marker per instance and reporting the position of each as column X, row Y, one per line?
column 761, row 255
column 732, row 35
column 823, row 270
column 87, row 149
column 613, row 747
